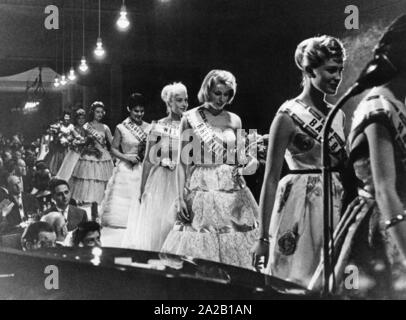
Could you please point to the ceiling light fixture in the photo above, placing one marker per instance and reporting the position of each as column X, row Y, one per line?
column 122, row 22
column 72, row 75
column 83, row 67
column 99, row 51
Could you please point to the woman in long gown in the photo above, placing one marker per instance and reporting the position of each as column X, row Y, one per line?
column 73, row 155
column 128, row 147
column 58, row 148
column 158, row 186
column 217, row 213
column 291, row 209
column 95, row 166
column 376, row 241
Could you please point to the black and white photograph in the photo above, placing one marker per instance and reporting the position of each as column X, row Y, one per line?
column 202, row 155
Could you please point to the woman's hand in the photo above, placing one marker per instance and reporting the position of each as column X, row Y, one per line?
column 250, row 168
column 260, row 255
column 182, row 211
column 132, row 158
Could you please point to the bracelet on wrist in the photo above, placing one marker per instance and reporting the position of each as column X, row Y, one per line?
column 394, row 221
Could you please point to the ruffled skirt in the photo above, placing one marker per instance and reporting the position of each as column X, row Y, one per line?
column 90, row 177
column 224, row 225
column 121, row 190
column 156, row 214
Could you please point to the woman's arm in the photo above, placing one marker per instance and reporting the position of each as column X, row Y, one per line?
column 182, row 169
column 279, row 136
column 109, row 136
column 383, row 168
column 252, row 164
column 146, row 164
column 115, row 147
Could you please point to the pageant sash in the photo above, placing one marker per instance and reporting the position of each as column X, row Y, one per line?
column 311, row 122
column 135, row 130
column 166, row 130
column 390, row 111
column 198, row 121
column 94, row 133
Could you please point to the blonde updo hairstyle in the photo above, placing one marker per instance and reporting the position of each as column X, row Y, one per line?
column 215, row 77
column 169, row 91
column 313, row 52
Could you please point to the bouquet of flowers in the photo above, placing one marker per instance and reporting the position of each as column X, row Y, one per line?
column 77, row 143
column 89, row 147
column 168, row 163
column 53, row 131
column 58, row 136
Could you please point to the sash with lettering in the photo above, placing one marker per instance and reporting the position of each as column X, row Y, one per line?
column 135, row 130
column 172, row 133
column 94, row 133
column 311, row 122
column 382, row 109
column 166, row 130
column 214, row 143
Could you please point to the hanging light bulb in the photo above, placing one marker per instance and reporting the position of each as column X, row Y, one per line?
column 72, row 75
column 63, row 80
column 123, row 23
column 99, row 51
column 83, row 65
column 56, row 82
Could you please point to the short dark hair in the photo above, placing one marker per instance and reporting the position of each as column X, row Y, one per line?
column 41, row 165
column 83, row 229
column 57, row 182
column 32, row 232
column 136, row 100
column 3, row 177
column 10, row 165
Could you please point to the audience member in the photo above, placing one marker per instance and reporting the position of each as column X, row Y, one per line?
column 16, row 206
column 59, row 226
column 38, row 235
column 3, row 183
column 87, row 235
column 62, row 196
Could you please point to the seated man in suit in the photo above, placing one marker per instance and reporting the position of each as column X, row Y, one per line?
column 16, row 206
column 3, row 183
column 38, row 235
column 17, row 167
column 61, row 195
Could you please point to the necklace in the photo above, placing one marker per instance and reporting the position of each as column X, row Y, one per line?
column 213, row 111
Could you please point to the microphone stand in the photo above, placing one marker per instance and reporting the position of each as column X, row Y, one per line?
column 378, row 71
column 327, row 197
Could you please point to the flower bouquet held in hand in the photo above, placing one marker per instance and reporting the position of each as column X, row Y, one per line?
column 77, row 144
column 89, row 147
